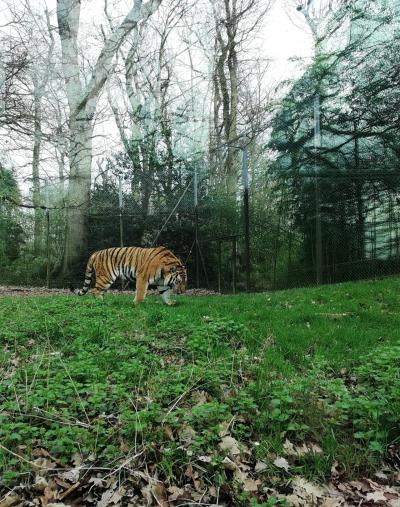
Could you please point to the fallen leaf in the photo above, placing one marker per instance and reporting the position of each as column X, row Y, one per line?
column 260, row 466
column 200, row 397
column 110, row 497
column 282, row 463
column 186, row 434
column 250, row 485
column 205, row 459
column 71, row 475
column 381, row 475
column 40, row 483
column 231, row 445
column 223, row 428
column 9, row 500
column 301, row 450
column 168, row 431
column 175, row 493
column 229, row 464
column 307, row 489
column 160, row 494
column 333, row 502
column 376, row 496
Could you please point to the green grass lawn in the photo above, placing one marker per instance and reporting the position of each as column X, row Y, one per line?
column 107, row 380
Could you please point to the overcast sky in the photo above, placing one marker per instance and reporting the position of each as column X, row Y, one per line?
column 283, row 38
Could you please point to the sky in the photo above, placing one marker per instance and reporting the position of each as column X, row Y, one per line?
column 286, row 39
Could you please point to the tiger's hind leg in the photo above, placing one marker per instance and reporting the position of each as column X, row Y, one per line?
column 102, row 284
column 141, row 290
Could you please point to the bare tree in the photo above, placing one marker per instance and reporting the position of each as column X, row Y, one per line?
column 235, row 21
column 82, row 101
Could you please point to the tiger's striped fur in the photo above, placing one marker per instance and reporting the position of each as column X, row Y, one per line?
column 148, row 266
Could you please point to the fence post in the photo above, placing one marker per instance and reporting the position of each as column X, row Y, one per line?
column 219, row 266
column 318, row 227
column 46, row 196
column 245, row 178
column 234, row 240
column 196, row 227
column 121, row 231
column 48, row 248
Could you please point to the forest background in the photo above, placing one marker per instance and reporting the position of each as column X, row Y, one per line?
column 258, row 140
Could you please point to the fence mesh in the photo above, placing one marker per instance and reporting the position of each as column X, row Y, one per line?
column 358, row 221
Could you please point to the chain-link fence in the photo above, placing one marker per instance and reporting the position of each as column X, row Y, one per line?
column 297, row 231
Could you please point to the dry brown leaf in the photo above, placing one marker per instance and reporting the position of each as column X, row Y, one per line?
column 333, row 502
column 160, row 494
column 229, row 464
column 301, row 450
column 200, row 397
column 186, row 434
column 250, row 485
column 77, row 459
column 381, row 475
column 71, row 475
column 40, row 483
column 230, row 445
column 260, row 466
column 9, row 500
column 306, row 489
column 175, row 493
column 376, row 496
column 282, row 463
column 205, row 459
column 50, row 492
column 147, row 495
column 110, row 497
column 168, row 431
column 44, row 464
column 189, row 471
column 96, row 481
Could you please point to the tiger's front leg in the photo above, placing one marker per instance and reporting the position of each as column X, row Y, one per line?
column 141, row 290
column 165, row 294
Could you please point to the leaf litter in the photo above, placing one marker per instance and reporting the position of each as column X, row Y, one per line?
column 85, row 485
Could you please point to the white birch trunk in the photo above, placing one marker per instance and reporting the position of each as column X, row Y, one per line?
column 82, row 104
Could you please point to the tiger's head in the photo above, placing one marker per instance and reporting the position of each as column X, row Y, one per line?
column 176, row 278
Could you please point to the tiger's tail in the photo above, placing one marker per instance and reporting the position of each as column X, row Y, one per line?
column 88, row 277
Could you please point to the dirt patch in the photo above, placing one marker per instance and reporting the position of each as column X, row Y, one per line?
column 44, row 291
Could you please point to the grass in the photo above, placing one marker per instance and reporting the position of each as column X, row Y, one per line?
column 108, row 380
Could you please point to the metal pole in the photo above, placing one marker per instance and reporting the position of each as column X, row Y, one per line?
column 245, row 178
column 48, row 248
column 46, row 196
column 219, row 266
column 196, row 227
column 121, row 231
column 318, row 227
column 234, row 264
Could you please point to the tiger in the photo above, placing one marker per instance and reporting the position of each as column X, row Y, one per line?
column 147, row 266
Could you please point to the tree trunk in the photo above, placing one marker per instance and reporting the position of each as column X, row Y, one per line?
column 37, row 139
column 82, row 102
column 77, row 201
